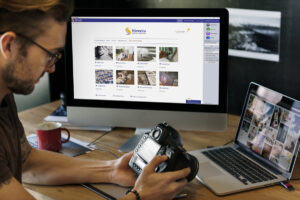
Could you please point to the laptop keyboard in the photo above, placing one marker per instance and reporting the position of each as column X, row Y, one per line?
column 239, row 166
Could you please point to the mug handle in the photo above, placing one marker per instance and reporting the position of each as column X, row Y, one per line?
column 66, row 140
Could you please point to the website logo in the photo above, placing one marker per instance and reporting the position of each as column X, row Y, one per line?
column 128, row 31
column 131, row 31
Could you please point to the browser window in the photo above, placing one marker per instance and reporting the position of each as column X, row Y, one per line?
column 146, row 59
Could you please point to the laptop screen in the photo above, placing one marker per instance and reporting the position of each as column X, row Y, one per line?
column 270, row 127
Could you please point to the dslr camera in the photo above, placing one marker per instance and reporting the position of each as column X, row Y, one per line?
column 163, row 140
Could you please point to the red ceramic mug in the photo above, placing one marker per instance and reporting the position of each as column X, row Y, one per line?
column 49, row 136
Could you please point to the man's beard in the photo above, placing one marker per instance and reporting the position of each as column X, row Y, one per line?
column 16, row 84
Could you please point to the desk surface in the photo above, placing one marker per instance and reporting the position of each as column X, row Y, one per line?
column 113, row 140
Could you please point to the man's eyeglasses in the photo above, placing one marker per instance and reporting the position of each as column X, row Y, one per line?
column 53, row 57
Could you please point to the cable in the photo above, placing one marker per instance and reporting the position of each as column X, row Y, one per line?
column 99, row 192
column 101, row 149
column 295, row 179
column 230, row 141
column 107, row 151
column 98, row 138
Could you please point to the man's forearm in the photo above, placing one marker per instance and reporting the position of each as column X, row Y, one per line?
column 49, row 168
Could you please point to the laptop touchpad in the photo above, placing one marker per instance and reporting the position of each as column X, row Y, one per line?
column 207, row 169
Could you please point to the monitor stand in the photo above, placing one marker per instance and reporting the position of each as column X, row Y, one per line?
column 60, row 115
column 73, row 126
column 131, row 143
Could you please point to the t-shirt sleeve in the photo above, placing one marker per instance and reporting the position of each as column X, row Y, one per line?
column 5, row 173
column 25, row 148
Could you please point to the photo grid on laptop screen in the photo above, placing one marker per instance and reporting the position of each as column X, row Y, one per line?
column 270, row 130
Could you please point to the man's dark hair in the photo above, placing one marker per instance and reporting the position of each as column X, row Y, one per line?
column 26, row 17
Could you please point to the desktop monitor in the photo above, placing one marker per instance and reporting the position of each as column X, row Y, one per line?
column 141, row 67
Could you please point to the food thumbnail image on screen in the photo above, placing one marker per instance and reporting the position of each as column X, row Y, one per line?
column 167, row 78
column 168, row 54
column 103, row 52
column 125, row 77
column 125, row 53
column 147, row 78
column 104, row 76
column 147, row 54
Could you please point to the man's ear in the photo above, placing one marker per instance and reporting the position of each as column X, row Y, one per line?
column 7, row 42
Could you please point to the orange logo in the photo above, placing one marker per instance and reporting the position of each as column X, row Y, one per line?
column 128, row 31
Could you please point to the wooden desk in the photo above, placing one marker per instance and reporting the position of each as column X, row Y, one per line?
column 112, row 141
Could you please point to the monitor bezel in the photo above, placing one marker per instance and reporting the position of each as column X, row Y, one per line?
column 216, row 12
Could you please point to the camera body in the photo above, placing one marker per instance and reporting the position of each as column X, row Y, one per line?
column 163, row 140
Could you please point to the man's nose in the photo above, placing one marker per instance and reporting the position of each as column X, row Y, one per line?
column 50, row 69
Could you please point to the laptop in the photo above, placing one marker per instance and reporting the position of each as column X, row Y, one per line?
column 265, row 148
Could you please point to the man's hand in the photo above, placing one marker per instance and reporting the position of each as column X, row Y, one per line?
column 151, row 185
column 122, row 173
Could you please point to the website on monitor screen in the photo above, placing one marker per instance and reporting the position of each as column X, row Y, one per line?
column 146, row 59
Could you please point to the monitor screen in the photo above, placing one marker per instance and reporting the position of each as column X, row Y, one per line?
column 146, row 59
column 159, row 59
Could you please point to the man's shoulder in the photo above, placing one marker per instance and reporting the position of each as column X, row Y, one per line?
column 8, row 101
column 11, row 104
column 9, row 122
column 9, row 98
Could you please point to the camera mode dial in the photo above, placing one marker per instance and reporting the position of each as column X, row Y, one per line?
column 156, row 133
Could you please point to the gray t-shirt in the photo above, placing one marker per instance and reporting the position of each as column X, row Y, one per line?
column 14, row 147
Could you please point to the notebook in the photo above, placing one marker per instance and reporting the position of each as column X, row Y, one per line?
column 265, row 148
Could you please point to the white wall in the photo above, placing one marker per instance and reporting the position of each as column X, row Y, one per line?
column 39, row 96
